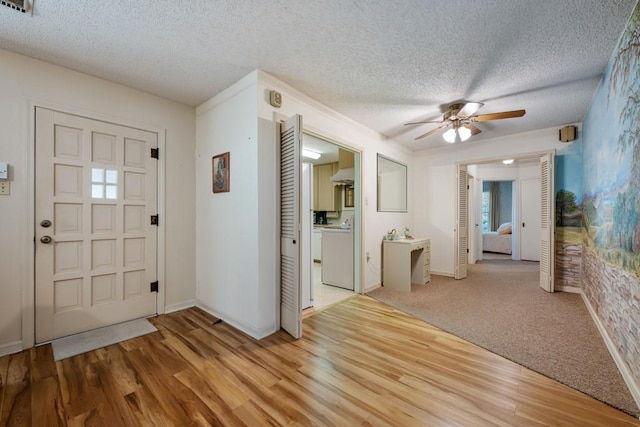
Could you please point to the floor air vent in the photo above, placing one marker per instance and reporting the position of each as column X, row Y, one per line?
column 19, row 5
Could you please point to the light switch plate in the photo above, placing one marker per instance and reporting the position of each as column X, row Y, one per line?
column 5, row 188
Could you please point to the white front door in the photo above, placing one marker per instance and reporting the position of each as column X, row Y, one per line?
column 530, row 219
column 95, row 246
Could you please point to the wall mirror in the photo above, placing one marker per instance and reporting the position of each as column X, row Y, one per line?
column 392, row 185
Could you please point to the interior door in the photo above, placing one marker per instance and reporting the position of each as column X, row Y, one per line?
column 530, row 214
column 462, row 222
column 290, row 245
column 546, row 223
column 95, row 247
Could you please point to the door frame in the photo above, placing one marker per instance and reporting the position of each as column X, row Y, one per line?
column 358, row 226
column 530, row 155
column 28, row 288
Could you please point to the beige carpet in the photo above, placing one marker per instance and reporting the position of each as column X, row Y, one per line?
column 500, row 307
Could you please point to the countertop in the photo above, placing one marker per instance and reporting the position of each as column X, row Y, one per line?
column 336, row 230
column 330, row 227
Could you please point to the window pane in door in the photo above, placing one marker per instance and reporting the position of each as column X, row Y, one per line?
column 97, row 191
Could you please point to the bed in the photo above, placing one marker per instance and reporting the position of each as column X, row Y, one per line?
column 498, row 241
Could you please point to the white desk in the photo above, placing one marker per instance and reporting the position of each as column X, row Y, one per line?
column 406, row 262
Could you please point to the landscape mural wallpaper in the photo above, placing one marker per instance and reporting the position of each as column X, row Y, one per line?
column 611, row 200
column 568, row 205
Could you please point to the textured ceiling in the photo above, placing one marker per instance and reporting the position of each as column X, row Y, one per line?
column 381, row 63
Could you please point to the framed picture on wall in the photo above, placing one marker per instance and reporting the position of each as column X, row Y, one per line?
column 220, row 165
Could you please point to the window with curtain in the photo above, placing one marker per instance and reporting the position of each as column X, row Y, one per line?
column 494, row 205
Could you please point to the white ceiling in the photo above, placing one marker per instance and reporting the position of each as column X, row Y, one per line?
column 379, row 62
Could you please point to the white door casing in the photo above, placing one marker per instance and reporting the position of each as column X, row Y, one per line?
column 546, row 223
column 473, row 221
column 97, row 184
column 462, row 222
column 530, row 215
column 478, row 221
column 290, row 198
column 306, row 254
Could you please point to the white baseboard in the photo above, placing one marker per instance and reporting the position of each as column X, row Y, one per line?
column 10, row 348
column 372, row 287
column 179, row 306
column 257, row 333
column 634, row 387
column 441, row 273
column 570, row 289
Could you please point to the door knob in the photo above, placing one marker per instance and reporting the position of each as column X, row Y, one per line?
column 45, row 223
column 46, row 239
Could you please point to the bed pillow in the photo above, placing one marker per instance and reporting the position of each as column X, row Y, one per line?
column 505, row 228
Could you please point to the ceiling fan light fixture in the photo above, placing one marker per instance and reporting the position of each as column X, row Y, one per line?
column 450, row 136
column 464, row 133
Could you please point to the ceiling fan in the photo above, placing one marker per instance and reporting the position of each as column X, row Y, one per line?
column 459, row 119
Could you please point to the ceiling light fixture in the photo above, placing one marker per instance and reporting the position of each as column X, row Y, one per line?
column 310, row 154
column 457, row 133
column 508, row 161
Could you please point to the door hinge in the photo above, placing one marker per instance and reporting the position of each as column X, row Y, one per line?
column 155, row 153
column 153, row 286
column 155, row 219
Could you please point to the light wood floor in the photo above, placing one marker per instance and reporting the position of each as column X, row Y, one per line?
column 359, row 363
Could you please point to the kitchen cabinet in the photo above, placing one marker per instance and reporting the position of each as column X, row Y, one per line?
column 345, row 159
column 337, row 257
column 326, row 196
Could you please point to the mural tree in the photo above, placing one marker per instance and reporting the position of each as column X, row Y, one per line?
column 625, row 81
column 565, row 204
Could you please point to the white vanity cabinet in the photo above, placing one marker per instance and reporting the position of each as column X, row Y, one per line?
column 406, row 262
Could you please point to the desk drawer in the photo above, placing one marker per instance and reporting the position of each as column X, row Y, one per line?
column 418, row 246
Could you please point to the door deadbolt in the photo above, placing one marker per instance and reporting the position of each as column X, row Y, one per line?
column 46, row 239
column 45, row 223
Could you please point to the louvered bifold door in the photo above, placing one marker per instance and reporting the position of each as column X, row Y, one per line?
column 462, row 223
column 290, row 173
column 546, row 223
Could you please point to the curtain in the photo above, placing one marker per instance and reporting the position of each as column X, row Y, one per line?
column 494, row 205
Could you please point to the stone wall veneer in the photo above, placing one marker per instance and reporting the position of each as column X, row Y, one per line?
column 614, row 294
column 568, row 264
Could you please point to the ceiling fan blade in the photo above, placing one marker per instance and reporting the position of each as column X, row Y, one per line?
column 428, row 121
column 469, row 109
column 498, row 116
column 432, row 131
column 474, row 130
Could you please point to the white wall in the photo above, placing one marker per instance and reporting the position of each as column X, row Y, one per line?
column 228, row 224
column 237, row 232
column 434, row 185
column 25, row 82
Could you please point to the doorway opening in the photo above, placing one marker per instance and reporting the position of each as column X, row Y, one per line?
column 330, row 267
column 503, row 211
